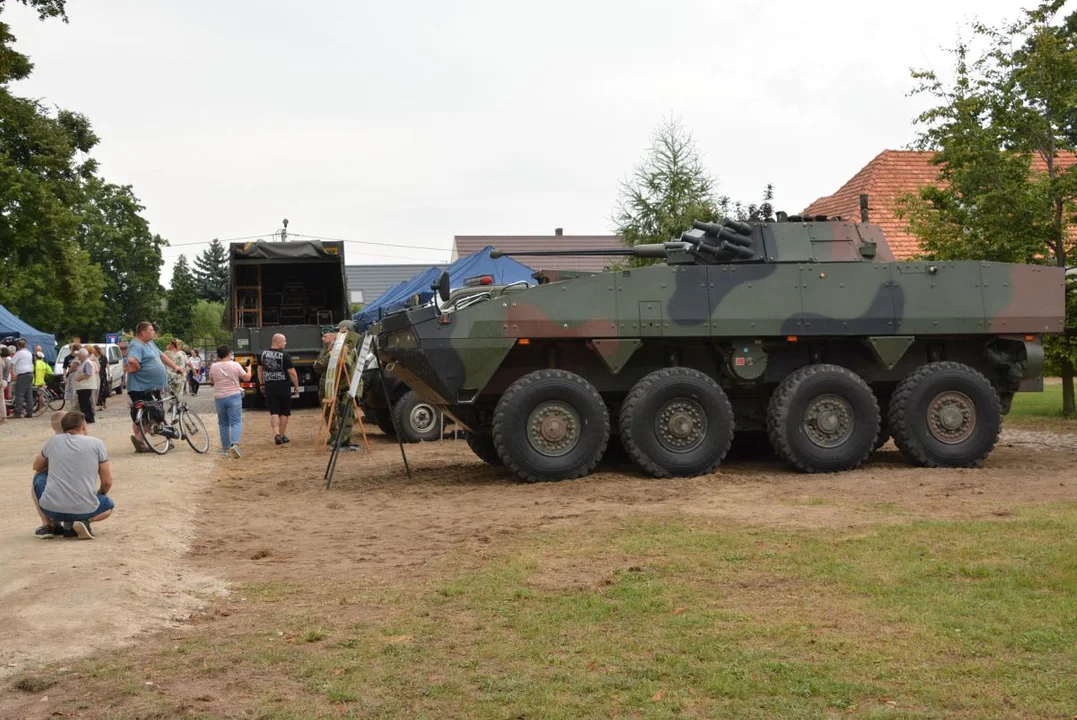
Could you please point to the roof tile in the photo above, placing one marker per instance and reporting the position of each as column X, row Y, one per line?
column 889, row 175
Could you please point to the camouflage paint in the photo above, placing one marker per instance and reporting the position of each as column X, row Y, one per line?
column 810, row 280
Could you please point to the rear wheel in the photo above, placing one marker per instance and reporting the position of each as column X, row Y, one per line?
column 194, row 431
column 41, row 401
column 416, row 419
column 823, row 418
column 551, row 425
column 56, row 400
column 677, row 421
column 157, row 443
column 945, row 414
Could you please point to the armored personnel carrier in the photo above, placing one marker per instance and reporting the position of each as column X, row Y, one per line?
column 806, row 329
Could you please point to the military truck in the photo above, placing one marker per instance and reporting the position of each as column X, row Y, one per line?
column 295, row 287
column 805, row 328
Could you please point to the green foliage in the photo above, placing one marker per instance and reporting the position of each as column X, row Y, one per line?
column 119, row 241
column 182, row 297
column 670, row 188
column 77, row 256
column 1002, row 131
column 211, row 272
column 207, row 324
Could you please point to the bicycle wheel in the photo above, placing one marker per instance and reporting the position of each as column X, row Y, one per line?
column 194, row 430
column 41, row 401
column 56, row 400
column 157, row 443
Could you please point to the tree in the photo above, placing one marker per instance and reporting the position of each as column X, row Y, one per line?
column 211, row 272
column 667, row 191
column 77, row 256
column 1003, row 132
column 670, row 188
column 118, row 239
column 207, row 324
column 182, row 296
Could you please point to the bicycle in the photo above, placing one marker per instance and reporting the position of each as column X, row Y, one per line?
column 41, row 401
column 166, row 418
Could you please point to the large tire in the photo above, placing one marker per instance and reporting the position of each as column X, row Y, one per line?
column 677, row 422
column 384, row 420
column 551, row 425
column 483, row 446
column 823, row 418
column 945, row 414
column 416, row 419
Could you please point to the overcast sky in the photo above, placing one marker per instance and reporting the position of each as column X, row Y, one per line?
column 407, row 123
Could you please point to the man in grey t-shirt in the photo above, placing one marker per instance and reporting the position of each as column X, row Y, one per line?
column 66, row 490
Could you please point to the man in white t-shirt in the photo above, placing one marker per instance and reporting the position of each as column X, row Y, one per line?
column 66, row 491
column 23, row 394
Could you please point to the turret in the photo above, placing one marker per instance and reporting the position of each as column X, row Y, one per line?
column 790, row 240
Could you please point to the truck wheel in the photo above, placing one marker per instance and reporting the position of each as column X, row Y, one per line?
column 823, row 418
column 483, row 446
column 945, row 414
column 551, row 425
column 416, row 419
column 677, row 421
column 883, row 437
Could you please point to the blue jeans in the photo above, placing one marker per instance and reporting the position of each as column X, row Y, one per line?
column 104, row 502
column 230, row 419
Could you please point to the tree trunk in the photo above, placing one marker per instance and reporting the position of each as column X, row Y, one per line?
column 1068, row 409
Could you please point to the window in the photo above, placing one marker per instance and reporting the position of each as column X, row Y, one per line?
column 355, row 296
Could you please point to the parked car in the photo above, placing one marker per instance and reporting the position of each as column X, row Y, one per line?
column 115, row 363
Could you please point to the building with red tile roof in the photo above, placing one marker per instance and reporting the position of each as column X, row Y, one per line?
column 889, row 175
column 463, row 245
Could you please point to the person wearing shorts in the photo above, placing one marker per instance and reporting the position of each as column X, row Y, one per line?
column 66, row 492
column 146, row 375
column 279, row 383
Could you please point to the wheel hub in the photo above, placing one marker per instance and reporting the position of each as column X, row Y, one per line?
column 422, row 418
column 680, row 425
column 828, row 421
column 951, row 417
column 553, row 428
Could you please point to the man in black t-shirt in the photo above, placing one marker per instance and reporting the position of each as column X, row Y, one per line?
column 279, row 383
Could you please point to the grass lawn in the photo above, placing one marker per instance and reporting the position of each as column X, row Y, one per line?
column 1041, row 410
column 655, row 618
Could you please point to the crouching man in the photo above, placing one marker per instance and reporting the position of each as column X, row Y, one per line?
column 66, row 492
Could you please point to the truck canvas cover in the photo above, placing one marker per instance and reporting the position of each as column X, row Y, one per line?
column 263, row 251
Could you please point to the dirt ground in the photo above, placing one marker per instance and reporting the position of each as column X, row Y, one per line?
column 187, row 526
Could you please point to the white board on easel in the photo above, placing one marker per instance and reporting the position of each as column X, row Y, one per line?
column 331, row 370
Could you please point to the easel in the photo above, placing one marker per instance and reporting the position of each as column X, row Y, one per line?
column 366, row 358
column 330, row 401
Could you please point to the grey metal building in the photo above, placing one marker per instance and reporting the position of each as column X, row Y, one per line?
column 367, row 282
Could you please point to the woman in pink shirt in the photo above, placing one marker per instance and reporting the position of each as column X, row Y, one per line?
column 225, row 376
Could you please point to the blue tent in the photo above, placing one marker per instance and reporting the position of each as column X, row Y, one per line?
column 504, row 270
column 12, row 326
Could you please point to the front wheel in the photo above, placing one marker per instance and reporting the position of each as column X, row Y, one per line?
column 56, row 400
column 677, row 422
column 194, row 431
column 551, row 425
column 416, row 419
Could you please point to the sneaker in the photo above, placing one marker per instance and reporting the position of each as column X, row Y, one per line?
column 285, row 439
column 234, row 451
column 277, row 439
column 83, row 529
column 139, row 447
column 48, row 532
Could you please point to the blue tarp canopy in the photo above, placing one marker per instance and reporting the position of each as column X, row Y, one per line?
column 504, row 270
column 12, row 326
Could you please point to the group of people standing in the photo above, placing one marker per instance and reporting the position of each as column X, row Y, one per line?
column 86, row 373
column 20, row 372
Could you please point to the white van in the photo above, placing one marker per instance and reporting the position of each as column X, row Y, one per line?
column 115, row 363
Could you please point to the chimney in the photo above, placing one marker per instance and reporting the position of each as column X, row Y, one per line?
column 558, row 232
